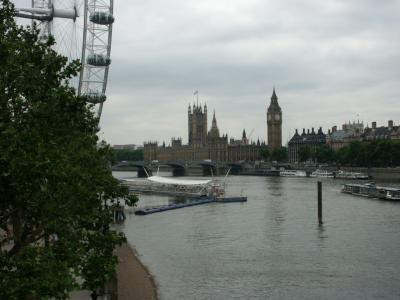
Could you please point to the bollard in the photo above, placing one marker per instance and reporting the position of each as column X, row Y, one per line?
column 320, row 203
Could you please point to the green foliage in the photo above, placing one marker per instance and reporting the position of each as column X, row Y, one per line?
column 324, row 154
column 264, row 153
column 305, row 153
column 128, row 155
column 378, row 153
column 279, row 155
column 57, row 190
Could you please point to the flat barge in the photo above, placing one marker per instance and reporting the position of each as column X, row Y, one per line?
column 371, row 190
column 198, row 201
column 230, row 199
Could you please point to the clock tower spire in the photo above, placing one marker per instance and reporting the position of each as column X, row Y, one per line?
column 274, row 123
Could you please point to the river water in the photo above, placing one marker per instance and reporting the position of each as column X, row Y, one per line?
column 272, row 247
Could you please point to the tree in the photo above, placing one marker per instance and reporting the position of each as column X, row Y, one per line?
column 378, row 153
column 279, row 155
column 357, row 155
column 264, row 153
column 304, row 153
column 324, row 154
column 57, row 190
column 342, row 155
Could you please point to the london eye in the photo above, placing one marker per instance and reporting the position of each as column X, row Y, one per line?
column 82, row 30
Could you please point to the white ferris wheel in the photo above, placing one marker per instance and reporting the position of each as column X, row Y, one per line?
column 82, row 30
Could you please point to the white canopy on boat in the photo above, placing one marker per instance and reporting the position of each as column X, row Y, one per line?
column 167, row 180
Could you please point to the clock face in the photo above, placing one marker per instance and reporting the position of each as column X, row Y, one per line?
column 277, row 117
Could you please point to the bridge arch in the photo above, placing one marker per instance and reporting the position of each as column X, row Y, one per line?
column 236, row 168
column 209, row 168
column 178, row 168
column 143, row 169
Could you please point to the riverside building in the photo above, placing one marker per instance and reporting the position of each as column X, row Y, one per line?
column 390, row 132
column 340, row 138
column 311, row 140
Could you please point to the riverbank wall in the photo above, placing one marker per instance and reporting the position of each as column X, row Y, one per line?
column 380, row 174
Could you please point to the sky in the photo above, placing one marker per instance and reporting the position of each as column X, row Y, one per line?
column 331, row 62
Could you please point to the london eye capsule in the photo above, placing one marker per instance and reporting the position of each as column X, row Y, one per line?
column 102, row 18
column 94, row 97
column 98, row 60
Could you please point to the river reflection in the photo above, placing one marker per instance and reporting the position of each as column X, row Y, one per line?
column 272, row 246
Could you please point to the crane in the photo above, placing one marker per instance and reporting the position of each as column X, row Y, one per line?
column 250, row 134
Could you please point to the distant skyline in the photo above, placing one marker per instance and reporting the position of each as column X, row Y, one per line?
column 330, row 61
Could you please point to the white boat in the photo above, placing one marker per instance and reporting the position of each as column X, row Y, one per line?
column 293, row 173
column 174, row 186
column 392, row 194
column 322, row 173
column 350, row 175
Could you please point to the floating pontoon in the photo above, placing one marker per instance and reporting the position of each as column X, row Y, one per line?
column 176, row 187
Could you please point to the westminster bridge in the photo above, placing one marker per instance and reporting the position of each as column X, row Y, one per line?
column 210, row 168
column 182, row 168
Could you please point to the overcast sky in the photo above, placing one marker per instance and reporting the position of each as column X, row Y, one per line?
column 331, row 61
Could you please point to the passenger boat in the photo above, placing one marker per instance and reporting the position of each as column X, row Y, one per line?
column 322, row 173
column 370, row 190
column 293, row 173
column 350, row 175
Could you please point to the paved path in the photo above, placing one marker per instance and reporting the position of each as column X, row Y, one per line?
column 134, row 280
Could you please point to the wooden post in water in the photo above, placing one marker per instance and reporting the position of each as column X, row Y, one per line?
column 320, row 203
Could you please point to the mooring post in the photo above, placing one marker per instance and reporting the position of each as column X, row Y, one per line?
column 320, row 202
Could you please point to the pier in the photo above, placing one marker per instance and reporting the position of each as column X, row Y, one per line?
column 198, row 201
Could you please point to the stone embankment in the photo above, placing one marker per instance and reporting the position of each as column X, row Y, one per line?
column 380, row 174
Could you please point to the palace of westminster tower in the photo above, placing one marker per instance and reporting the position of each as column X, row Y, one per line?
column 274, row 123
column 197, row 125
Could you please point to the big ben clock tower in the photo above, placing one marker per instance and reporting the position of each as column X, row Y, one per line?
column 274, row 123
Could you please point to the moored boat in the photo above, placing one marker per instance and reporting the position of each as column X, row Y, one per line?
column 370, row 190
column 365, row 190
column 351, row 175
column 293, row 173
column 322, row 174
column 392, row 194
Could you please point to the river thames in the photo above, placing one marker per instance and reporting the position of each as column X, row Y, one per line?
column 271, row 247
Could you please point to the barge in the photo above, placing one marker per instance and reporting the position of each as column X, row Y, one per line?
column 156, row 209
column 192, row 202
column 371, row 190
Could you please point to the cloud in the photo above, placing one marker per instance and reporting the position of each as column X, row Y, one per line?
column 330, row 61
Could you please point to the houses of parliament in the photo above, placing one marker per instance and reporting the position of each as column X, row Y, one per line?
column 209, row 144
